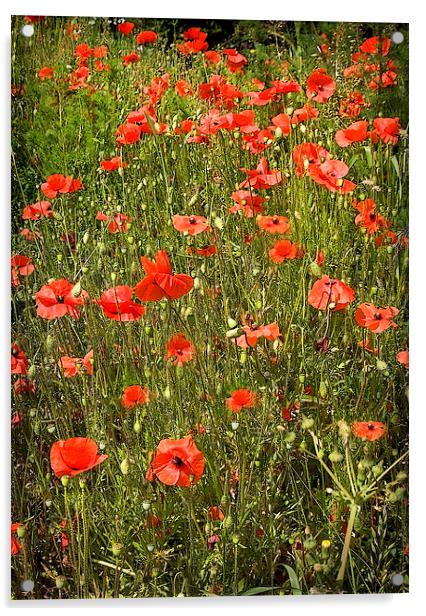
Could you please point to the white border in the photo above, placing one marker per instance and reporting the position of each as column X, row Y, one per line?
column 308, row 10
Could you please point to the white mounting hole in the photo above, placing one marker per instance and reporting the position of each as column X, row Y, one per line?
column 397, row 38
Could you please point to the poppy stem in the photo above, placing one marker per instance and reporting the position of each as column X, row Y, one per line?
column 346, row 546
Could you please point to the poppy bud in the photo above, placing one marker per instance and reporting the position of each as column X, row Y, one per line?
column 130, row 239
column 235, row 539
column 290, row 437
column 335, row 457
column 228, row 523
column 137, row 427
column 401, row 476
column 113, row 277
column 231, row 324
column 381, row 365
column 21, row 531
column 31, row 371
column 84, row 269
column 243, row 358
column 278, row 132
column 76, row 290
column 302, row 378
column 116, row 549
column 302, row 128
column 65, row 480
column 218, row 223
column 234, row 425
column 60, row 581
column 323, row 390
column 59, row 258
column 51, row 429
column 124, row 466
column 307, row 423
column 315, row 269
column 166, row 393
column 146, row 504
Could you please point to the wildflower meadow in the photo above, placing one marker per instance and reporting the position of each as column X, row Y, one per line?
column 209, row 304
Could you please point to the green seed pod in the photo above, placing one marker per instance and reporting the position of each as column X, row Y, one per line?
column 302, row 378
column 146, row 504
column 290, row 437
column 59, row 258
column 231, row 323
column 51, row 429
column 60, row 582
column 278, row 133
column 235, row 539
column 381, row 365
column 228, row 523
column 65, row 480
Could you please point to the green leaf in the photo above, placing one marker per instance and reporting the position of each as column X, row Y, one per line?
column 258, row 590
column 295, row 586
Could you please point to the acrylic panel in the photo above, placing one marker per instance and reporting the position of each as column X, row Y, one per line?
column 209, row 268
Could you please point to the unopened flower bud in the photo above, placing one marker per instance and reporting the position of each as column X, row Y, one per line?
column 116, row 549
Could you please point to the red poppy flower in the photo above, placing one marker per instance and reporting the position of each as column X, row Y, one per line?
column 178, row 462
column 212, row 57
column 366, row 345
column 355, row 132
column 369, row 430
column 282, row 121
column 235, row 61
column 261, row 177
column 375, row 319
column 117, row 223
column 147, row 36
column 387, row 129
column 58, row 183
column 45, row 73
column 16, row 546
column 330, row 174
column 248, row 202
column 192, row 225
column 72, row 365
column 252, row 335
column 112, row 165
column 207, row 251
column 21, row 266
column 131, row 58
column 216, row 513
column 241, row 399
column 307, row 154
column 37, row 210
column 57, row 299
column 319, row 260
column 74, row 456
column 307, row 112
column 260, row 99
column 368, row 219
column 183, row 88
column 195, row 42
column 282, row 250
column 320, row 86
column 403, row 358
column 350, row 107
column 24, row 386
column 179, row 350
column 83, row 51
column 135, row 395
column 128, row 133
column 332, row 294
column 375, row 44
column 273, row 224
column 100, row 52
column 126, row 27
column 160, row 283
column 18, row 360
column 117, row 304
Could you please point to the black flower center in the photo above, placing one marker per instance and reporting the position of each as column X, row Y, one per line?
column 60, row 299
column 177, row 461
